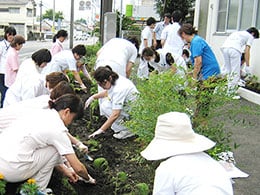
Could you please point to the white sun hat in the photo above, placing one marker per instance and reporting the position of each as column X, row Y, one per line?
column 174, row 136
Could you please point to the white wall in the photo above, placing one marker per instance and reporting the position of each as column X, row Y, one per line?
column 216, row 40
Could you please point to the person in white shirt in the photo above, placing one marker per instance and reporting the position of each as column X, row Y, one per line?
column 162, row 60
column 34, row 150
column 69, row 60
column 29, row 82
column 237, row 43
column 157, row 31
column 58, row 39
column 120, row 54
column 170, row 39
column 146, row 41
column 118, row 92
column 10, row 32
column 187, row 169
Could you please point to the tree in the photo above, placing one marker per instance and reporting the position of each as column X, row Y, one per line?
column 49, row 15
column 168, row 6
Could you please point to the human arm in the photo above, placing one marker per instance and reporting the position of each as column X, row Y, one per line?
column 79, row 168
column 78, row 143
column 197, row 66
column 73, row 177
column 101, row 94
column 129, row 69
column 145, row 42
column 154, row 39
column 247, row 55
column 111, row 119
column 77, row 78
column 85, row 72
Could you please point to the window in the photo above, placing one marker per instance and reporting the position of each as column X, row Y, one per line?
column 14, row 10
column 238, row 15
column 29, row 12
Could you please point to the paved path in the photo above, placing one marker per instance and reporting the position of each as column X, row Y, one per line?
column 245, row 127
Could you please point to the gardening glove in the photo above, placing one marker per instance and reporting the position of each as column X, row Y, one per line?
column 88, row 102
column 81, row 147
column 83, row 87
column 90, row 180
column 99, row 131
column 247, row 69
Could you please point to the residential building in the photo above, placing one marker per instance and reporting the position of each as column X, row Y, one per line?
column 19, row 14
column 216, row 19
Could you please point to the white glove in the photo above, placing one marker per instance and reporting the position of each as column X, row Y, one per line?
column 90, row 180
column 83, row 87
column 248, row 69
column 89, row 100
column 99, row 131
column 82, row 147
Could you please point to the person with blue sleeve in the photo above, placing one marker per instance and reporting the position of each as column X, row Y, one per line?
column 205, row 67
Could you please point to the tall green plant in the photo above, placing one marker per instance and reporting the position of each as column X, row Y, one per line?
column 168, row 92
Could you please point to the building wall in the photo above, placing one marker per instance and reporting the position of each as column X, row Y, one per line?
column 216, row 40
column 20, row 21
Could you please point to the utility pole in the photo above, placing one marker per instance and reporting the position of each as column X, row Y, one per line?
column 71, row 23
column 40, row 20
column 106, row 6
column 53, row 18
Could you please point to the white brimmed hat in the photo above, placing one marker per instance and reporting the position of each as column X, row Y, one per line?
column 174, row 136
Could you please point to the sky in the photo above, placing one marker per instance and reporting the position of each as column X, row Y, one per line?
column 65, row 6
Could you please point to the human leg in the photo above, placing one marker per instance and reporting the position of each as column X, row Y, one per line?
column 3, row 89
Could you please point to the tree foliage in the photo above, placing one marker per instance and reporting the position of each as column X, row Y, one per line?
column 168, row 6
column 49, row 15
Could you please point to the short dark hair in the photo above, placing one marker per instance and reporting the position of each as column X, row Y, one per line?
column 254, row 31
column 168, row 15
column 79, row 49
column 134, row 40
column 104, row 73
column 150, row 21
column 41, row 56
column 10, row 31
column 60, row 33
column 187, row 29
column 177, row 16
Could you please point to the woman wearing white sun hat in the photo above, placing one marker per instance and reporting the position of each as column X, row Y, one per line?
column 188, row 170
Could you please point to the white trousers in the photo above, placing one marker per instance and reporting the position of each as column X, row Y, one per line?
column 232, row 63
column 40, row 169
column 106, row 109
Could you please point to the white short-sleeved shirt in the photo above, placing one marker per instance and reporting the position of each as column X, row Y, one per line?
column 4, row 46
column 116, row 53
column 173, row 42
column 193, row 174
column 147, row 33
column 56, row 47
column 29, row 83
column 62, row 61
column 120, row 94
column 162, row 64
column 238, row 40
column 42, row 128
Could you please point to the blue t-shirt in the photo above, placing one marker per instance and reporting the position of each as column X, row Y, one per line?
column 210, row 66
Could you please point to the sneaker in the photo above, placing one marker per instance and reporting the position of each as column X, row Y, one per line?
column 123, row 135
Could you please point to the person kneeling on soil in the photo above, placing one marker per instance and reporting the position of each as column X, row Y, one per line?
column 36, row 147
column 118, row 91
column 187, row 169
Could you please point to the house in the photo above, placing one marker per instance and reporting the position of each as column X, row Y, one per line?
column 19, row 14
column 216, row 19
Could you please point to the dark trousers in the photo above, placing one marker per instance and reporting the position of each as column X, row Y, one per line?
column 158, row 45
column 3, row 89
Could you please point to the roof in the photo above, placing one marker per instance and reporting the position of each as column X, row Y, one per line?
column 14, row 2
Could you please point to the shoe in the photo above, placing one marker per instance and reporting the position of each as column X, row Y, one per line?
column 241, row 83
column 123, row 135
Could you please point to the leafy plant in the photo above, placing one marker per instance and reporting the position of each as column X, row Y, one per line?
column 120, row 181
column 169, row 92
column 101, row 164
column 29, row 187
column 2, row 184
column 141, row 189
